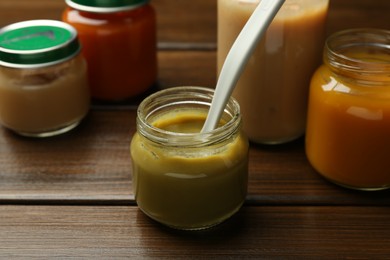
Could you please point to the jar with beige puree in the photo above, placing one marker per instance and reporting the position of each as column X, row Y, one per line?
column 273, row 88
column 43, row 84
column 183, row 178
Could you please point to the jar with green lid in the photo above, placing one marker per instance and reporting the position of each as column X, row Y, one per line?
column 183, row 178
column 43, row 84
column 119, row 44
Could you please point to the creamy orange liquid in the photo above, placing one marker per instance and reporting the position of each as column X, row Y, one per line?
column 188, row 190
column 120, row 49
column 36, row 101
column 273, row 89
column 348, row 131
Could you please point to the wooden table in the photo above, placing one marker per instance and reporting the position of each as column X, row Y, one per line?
column 71, row 196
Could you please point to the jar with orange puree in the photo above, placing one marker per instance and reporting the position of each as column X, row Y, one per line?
column 119, row 44
column 183, row 178
column 348, row 127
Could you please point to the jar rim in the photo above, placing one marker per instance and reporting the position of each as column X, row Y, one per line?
column 182, row 95
column 358, row 38
column 105, row 6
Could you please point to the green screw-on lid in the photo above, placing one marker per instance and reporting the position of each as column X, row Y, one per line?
column 105, row 6
column 37, row 43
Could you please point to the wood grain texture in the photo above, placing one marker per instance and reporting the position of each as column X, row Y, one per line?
column 92, row 162
column 92, row 165
column 71, row 196
column 346, row 14
column 255, row 232
column 193, row 24
column 187, row 68
column 177, row 20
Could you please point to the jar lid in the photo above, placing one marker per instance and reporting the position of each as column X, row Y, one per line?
column 37, row 43
column 105, row 6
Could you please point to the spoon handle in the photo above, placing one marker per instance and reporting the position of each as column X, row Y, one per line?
column 238, row 56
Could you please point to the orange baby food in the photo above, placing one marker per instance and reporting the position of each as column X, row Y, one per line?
column 120, row 49
column 348, row 130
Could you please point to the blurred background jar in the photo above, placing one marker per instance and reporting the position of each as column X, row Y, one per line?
column 43, row 79
column 119, row 44
column 183, row 178
column 348, row 127
column 273, row 89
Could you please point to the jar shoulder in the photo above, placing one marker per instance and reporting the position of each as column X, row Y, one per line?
column 327, row 81
column 77, row 17
column 233, row 150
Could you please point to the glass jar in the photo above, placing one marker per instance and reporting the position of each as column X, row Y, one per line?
column 348, row 127
column 183, row 178
column 273, row 88
column 119, row 44
column 43, row 79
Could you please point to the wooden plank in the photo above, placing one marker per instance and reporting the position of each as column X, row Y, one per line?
column 186, row 21
column 187, row 68
column 92, row 165
column 22, row 10
column 346, row 14
column 194, row 23
column 255, row 232
column 282, row 175
column 92, row 162
column 178, row 20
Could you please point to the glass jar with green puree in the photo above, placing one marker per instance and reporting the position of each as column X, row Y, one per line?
column 183, row 178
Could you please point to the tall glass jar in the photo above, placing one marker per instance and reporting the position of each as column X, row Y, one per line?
column 183, row 178
column 119, row 44
column 273, row 88
column 348, row 127
column 43, row 78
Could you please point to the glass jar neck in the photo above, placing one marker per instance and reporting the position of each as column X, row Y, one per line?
column 360, row 54
column 106, row 6
column 185, row 99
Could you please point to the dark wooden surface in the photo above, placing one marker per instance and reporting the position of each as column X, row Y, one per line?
column 71, row 196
